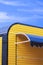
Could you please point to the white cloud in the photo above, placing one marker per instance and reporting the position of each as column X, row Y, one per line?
column 30, row 10
column 5, row 16
column 19, row 3
column 13, row 3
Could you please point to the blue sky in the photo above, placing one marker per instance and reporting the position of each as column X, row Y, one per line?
column 22, row 11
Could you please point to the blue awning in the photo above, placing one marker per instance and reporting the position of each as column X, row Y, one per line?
column 35, row 38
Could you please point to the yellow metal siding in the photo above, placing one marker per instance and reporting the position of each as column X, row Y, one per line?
column 24, row 54
column 0, row 50
column 26, row 29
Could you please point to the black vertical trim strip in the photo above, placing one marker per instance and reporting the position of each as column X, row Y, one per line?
column 4, row 49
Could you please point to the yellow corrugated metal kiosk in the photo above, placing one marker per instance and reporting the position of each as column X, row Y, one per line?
column 20, row 52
